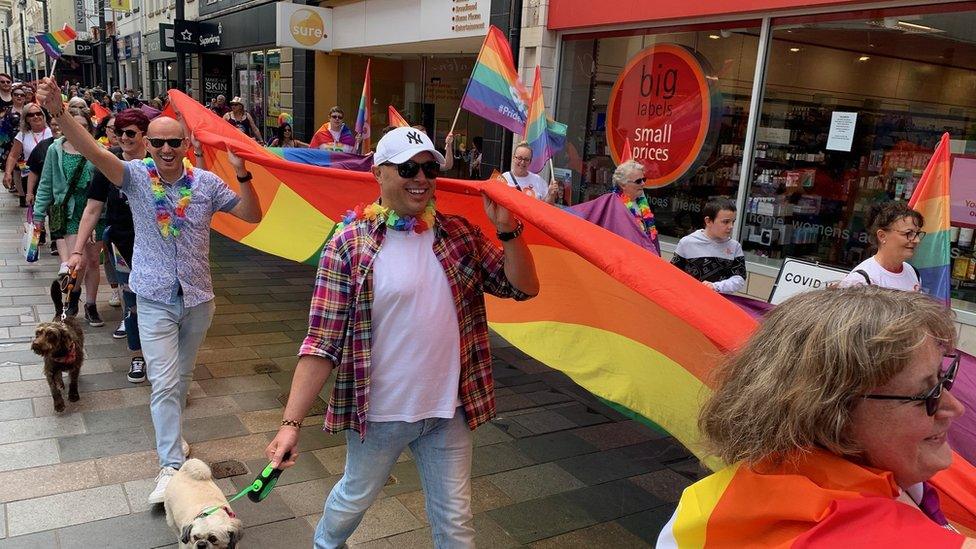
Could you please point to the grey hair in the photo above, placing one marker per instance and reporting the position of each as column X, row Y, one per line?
column 624, row 169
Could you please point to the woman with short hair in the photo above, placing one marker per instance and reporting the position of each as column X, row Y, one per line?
column 33, row 130
column 834, row 417
column 896, row 232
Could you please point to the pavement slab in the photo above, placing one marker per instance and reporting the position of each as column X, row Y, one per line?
column 67, row 509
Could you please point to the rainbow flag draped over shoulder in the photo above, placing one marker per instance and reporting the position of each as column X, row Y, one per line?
column 51, row 42
column 394, row 117
column 494, row 91
column 362, row 117
column 544, row 136
column 931, row 199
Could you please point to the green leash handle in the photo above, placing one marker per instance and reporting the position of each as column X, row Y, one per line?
column 266, row 480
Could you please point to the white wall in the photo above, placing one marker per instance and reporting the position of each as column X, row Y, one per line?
column 382, row 22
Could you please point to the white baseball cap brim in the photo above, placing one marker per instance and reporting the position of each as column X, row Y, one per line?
column 402, row 144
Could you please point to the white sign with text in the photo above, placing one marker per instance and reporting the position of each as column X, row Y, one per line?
column 304, row 27
column 797, row 276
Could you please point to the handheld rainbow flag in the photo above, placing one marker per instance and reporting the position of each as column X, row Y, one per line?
column 931, row 199
column 545, row 136
column 494, row 91
column 395, row 118
column 51, row 42
column 362, row 118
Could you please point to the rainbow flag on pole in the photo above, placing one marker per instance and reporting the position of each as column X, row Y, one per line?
column 494, row 91
column 395, row 118
column 931, row 199
column 52, row 41
column 545, row 136
column 362, row 118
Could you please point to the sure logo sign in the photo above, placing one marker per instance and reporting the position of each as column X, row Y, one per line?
column 663, row 104
column 307, row 27
column 301, row 26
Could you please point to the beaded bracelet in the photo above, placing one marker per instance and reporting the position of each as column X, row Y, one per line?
column 296, row 424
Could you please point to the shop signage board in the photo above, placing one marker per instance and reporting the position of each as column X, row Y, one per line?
column 196, row 36
column 165, row 38
column 83, row 47
column 841, row 134
column 305, row 27
column 797, row 276
column 962, row 191
column 664, row 105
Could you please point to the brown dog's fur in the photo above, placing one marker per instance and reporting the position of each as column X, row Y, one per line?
column 57, row 339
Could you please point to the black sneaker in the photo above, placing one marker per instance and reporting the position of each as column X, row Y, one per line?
column 73, row 299
column 54, row 248
column 91, row 315
column 120, row 333
column 137, row 370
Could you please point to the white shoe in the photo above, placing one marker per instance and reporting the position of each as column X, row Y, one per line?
column 162, row 480
column 185, row 446
column 114, row 300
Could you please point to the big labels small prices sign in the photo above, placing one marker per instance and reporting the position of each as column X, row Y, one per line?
column 797, row 276
column 305, row 27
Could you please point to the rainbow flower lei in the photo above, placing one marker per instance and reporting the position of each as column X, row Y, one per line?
column 641, row 210
column 392, row 219
column 170, row 220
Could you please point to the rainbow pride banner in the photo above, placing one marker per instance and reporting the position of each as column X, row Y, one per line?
column 494, row 91
column 545, row 136
column 51, row 42
column 931, row 199
column 395, row 118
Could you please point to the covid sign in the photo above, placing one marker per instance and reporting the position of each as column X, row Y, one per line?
column 662, row 107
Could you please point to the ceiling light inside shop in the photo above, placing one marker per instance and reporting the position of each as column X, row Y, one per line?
column 794, row 50
column 714, row 36
column 863, row 58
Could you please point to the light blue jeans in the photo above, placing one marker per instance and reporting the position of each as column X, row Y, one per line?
column 442, row 450
column 170, row 335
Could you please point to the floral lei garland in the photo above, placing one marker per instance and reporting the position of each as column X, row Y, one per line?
column 392, row 220
column 640, row 209
column 170, row 220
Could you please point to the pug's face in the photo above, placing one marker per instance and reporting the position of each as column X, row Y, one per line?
column 217, row 531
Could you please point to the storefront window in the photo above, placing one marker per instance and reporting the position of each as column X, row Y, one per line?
column 273, row 91
column 593, row 77
column 851, row 114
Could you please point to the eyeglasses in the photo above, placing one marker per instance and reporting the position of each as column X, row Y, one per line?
column 523, row 159
column 410, row 169
column 336, row 116
column 639, row 181
column 931, row 399
column 33, row 114
column 131, row 135
column 19, row 94
column 911, row 235
column 5, row 81
column 158, row 143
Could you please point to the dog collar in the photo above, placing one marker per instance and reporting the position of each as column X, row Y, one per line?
column 211, row 510
column 68, row 358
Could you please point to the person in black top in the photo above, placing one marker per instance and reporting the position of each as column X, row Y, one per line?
column 130, row 128
column 5, row 99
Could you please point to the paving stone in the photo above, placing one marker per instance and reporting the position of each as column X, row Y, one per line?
column 126, row 467
column 647, row 524
column 40, row 540
column 215, row 342
column 262, row 327
column 239, row 384
column 33, row 453
column 496, row 458
column 242, row 367
column 263, row 421
column 148, row 527
column 312, row 437
column 278, row 350
column 220, row 355
column 405, row 478
column 610, row 501
column 614, row 435
column 97, row 366
column 420, row 538
column 11, row 373
column 510, row 427
column 581, row 415
column 600, row 467
column 534, row 482
column 665, row 484
column 16, row 409
column 489, row 433
column 507, row 403
column 545, row 421
column 103, row 400
column 17, row 390
column 553, row 446
column 224, row 329
column 59, row 510
column 306, row 498
column 593, row 536
column 207, row 428
column 537, row 519
column 258, row 400
column 284, row 533
column 112, row 443
column 103, row 421
column 386, row 517
column 663, row 450
column 19, row 430
column 239, row 448
column 210, row 406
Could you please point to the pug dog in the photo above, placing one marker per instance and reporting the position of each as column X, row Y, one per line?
column 191, row 492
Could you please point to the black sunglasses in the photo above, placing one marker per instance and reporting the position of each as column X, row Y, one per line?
column 35, row 113
column 158, row 143
column 336, row 116
column 931, row 399
column 128, row 133
column 410, row 169
column 639, row 181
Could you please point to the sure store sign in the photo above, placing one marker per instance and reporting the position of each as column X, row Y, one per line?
column 305, row 27
column 664, row 104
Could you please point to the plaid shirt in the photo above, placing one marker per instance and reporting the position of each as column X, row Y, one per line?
column 340, row 321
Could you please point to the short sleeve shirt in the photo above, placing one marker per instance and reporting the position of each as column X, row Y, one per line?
column 164, row 267
column 117, row 212
column 531, row 184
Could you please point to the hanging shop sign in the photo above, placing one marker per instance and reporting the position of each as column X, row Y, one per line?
column 301, row 26
column 83, row 47
column 664, row 104
column 196, row 36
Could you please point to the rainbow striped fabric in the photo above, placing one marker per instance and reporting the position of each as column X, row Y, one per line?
column 51, row 42
column 545, row 136
column 494, row 91
column 362, row 117
column 931, row 199
column 395, row 119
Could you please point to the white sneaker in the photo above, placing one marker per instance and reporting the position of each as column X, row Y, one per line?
column 114, row 300
column 185, row 446
column 162, row 480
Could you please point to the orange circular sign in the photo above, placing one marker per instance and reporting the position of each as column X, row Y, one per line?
column 660, row 107
column 307, row 27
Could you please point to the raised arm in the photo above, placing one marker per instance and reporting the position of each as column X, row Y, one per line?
column 49, row 96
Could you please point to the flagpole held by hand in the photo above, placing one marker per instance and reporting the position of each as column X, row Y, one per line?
column 456, row 115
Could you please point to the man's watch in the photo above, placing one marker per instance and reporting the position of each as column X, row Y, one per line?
column 246, row 178
column 505, row 237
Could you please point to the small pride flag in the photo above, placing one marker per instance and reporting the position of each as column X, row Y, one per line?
column 52, row 41
column 396, row 119
column 494, row 90
column 362, row 117
column 545, row 136
column 931, row 199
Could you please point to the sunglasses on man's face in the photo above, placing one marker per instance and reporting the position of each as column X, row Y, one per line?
column 158, row 143
column 410, row 169
column 934, row 395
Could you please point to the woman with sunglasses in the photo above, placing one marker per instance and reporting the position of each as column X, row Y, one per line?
column 832, row 419
column 105, row 132
column 334, row 135
column 33, row 130
column 285, row 137
column 896, row 230
column 242, row 120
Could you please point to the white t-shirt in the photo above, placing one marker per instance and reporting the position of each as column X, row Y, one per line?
column 906, row 280
column 30, row 139
column 416, row 354
column 531, row 184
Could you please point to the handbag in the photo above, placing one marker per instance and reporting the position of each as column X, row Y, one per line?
column 57, row 215
column 32, row 235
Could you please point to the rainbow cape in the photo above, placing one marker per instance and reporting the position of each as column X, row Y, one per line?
column 362, row 117
column 51, row 42
column 544, row 136
column 931, row 199
column 324, row 137
column 494, row 91
column 395, row 119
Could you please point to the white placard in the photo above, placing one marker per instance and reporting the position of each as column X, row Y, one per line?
column 304, row 27
column 780, row 136
column 797, row 276
column 841, row 135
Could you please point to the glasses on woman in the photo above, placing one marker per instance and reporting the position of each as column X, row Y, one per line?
column 912, row 234
column 131, row 134
column 336, row 116
column 934, row 395
column 34, row 114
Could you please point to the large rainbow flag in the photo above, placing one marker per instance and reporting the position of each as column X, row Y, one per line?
column 494, row 91
column 362, row 117
column 51, row 42
column 545, row 136
column 931, row 199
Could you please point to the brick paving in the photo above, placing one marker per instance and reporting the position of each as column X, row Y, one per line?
column 556, row 469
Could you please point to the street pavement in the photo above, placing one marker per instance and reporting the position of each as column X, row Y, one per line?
column 557, row 468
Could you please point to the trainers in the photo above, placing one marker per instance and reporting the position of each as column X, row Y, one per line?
column 137, row 370
column 114, row 300
column 73, row 299
column 54, row 248
column 120, row 332
column 185, row 446
column 91, row 315
column 162, row 481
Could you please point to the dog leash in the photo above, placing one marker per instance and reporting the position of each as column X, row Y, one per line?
column 257, row 491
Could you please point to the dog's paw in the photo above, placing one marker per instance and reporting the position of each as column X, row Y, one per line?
column 59, row 406
column 74, row 397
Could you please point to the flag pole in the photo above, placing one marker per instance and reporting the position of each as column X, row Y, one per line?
column 53, row 65
column 468, row 85
column 456, row 115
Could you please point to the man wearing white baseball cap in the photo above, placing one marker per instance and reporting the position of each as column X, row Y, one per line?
column 399, row 313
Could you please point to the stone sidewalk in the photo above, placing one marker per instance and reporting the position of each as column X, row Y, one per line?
column 556, row 469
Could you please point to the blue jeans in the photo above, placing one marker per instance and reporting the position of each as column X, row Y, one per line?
column 170, row 335
column 442, row 450
column 129, row 316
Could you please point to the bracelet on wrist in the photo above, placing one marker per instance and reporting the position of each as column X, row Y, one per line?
column 78, row 253
column 511, row 235
column 246, row 178
column 291, row 423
